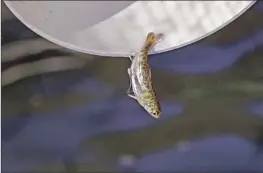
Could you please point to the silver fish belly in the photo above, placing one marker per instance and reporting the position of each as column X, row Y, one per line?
column 137, row 78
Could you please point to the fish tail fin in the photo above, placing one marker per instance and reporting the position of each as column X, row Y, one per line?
column 152, row 39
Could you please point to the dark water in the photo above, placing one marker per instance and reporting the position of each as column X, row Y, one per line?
column 78, row 120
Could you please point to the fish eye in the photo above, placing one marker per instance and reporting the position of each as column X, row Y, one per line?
column 155, row 113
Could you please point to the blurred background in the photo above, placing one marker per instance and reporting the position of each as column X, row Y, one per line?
column 65, row 111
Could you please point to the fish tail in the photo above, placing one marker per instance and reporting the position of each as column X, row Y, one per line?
column 151, row 40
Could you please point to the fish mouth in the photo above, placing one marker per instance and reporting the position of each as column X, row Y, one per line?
column 156, row 116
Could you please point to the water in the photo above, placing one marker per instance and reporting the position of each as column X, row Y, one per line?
column 82, row 120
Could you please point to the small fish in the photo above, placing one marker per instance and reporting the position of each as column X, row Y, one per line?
column 141, row 88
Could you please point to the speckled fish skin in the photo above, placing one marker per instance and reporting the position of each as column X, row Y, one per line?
column 141, row 87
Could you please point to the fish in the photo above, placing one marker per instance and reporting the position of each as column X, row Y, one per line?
column 141, row 86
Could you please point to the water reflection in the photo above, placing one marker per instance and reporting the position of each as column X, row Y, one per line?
column 260, row 6
column 201, row 59
column 55, row 135
column 256, row 108
column 259, row 141
column 220, row 154
column 11, row 126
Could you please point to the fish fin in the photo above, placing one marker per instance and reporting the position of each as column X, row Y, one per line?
column 129, row 71
column 158, row 38
column 130, row 93
column 132, row 96
column 151, row 40
column 132, row 56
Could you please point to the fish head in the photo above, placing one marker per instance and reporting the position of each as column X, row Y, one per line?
column 156, row 113
column 153, row 108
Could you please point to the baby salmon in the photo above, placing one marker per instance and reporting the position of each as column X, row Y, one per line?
column 141, row 87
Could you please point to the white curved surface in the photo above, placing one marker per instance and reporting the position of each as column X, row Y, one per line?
column 89, row 27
